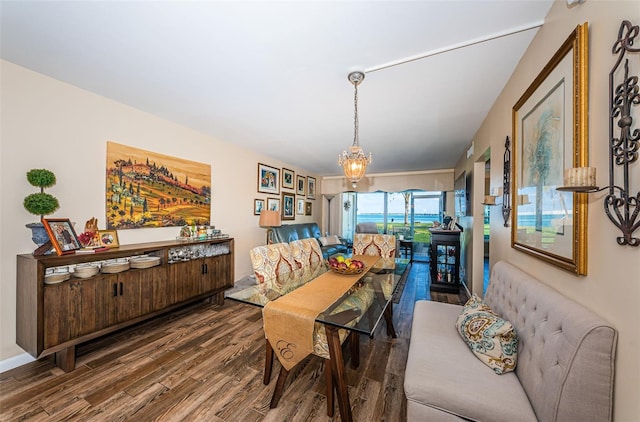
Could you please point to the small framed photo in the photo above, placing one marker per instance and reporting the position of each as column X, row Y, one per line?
column 308, row 208
column 108, row 238
column 288, row 178
column 311, row 187
column 268, row 179
column 300, row 206
column 62, row 235
column 273, row 204
column 300, row 185
column 258, row 206
column 288, row 206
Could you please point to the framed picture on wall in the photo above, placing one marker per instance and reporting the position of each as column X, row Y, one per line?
column 311, row 187
column 300, row 185
column 550, row 136
column 258, row 206
column 288, row 206
column 300, row 206
column 308, row 210
column 268, row 179
column 273, row 204
column 288, row 179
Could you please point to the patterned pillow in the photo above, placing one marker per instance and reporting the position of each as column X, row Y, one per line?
column 329, row 240
column 492, row 339
column 477, row 303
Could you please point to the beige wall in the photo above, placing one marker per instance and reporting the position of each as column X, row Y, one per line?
column 612, row 286
column 50, row 124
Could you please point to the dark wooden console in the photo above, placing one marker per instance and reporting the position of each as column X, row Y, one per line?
column 54, row 318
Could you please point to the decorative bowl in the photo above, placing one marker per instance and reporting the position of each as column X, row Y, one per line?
column 348, row 271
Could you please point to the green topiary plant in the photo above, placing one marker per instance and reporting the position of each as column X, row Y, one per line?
column 41, row 203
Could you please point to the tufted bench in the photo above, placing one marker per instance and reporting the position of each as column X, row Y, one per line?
column 565, row 364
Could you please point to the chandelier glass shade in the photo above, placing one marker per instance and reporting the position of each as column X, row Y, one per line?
column 354, row 162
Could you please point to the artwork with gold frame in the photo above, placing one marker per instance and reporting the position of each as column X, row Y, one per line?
column 288, row 178
column 550, row 135
column 288, row 206
column 311, row 187
column 301, row 183
column 108, row 238
column 300, row 208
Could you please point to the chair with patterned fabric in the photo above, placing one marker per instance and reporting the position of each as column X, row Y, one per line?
column 279, row 269
column 383, row 245
column 308, row 255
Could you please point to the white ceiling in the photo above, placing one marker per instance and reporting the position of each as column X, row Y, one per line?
column 272, row 76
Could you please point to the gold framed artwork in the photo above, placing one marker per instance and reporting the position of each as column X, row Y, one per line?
column 301, row 182
column 550, row 135
column 149, row 189
column 308, row 208
column 273, row 204
column 311, row 187
column 288, row 178
column 268, row 179
column 108, row 238
column 288, row 206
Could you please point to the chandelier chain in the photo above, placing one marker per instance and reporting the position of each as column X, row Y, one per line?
column 356, row 140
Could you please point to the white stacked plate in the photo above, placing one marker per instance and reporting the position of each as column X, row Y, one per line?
column 56, row 278
column 144, row 261
column 86, row 271
column 114, row 267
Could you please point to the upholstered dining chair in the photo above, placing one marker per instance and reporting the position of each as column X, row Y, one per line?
column 279, row 269
column 383, row 245
column 367, row 228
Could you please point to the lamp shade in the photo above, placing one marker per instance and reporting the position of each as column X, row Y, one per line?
column 269, row 218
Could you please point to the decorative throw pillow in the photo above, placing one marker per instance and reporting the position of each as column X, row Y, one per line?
column 492, row 339
column 476, row 302
column 329, row 240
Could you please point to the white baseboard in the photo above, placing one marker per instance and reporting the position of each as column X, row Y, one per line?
column 15, row 361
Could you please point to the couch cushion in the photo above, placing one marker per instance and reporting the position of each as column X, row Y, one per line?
column 440, row 368
column 491, row 338
column 329, row 240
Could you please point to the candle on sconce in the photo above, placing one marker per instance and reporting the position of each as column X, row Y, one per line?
column 580, row 176
column 489, row 200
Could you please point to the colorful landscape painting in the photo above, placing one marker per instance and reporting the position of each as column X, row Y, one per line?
column 148, row 189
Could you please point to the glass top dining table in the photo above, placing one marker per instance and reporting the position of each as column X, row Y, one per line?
column 360, row 309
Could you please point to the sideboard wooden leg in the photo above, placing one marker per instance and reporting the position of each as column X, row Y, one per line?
column 66, row 359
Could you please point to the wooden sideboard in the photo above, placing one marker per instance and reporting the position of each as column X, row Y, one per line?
column 54, row 318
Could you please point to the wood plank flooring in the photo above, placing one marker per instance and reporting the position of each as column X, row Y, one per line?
column 205, row 363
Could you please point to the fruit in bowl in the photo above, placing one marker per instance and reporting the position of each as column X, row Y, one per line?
column 343, row 265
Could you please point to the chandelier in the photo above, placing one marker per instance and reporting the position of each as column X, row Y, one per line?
column 354, row 162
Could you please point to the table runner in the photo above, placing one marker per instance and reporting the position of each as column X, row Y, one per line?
column 289, row 320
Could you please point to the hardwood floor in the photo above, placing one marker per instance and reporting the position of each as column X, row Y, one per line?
column 205, row 363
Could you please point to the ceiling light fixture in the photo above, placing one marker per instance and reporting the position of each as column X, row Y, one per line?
column 354, row 162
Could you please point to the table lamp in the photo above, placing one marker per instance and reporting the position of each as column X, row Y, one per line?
column 268, row 220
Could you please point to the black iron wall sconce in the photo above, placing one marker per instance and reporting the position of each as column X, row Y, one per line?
column 620, row 205
column 506, row 183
